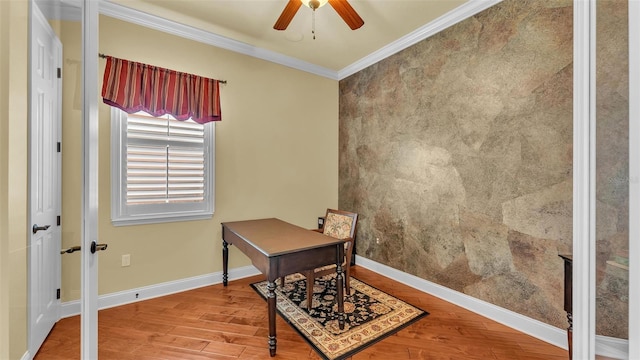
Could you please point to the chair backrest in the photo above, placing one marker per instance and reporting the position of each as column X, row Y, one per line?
column 340, row 224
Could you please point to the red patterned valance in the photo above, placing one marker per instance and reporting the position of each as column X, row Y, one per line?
column 134, row 87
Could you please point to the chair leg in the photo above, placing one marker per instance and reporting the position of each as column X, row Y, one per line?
column 310, row 280
column 347, row 285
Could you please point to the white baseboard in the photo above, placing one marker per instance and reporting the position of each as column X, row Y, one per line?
column 612, row 347
column 72, row 308
column 606, row 346
column 26, row 356
column 527, row 325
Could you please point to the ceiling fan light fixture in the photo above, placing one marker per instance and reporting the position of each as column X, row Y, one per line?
column 314, row 4
column 342, row 7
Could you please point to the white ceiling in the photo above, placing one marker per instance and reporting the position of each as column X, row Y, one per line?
column 335, row 46
column 389, row 26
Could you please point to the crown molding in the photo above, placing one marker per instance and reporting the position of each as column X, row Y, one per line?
column 67, row 10
column 171, row 27
column 451, row 18
column 71, row 11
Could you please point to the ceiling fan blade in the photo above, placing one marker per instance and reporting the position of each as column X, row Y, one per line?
column 287, row 14
column 347, row 13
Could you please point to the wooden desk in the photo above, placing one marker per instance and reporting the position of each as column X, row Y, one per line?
column 277, row 249
column 568, row 297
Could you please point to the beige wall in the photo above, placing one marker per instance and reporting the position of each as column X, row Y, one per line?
column 4, row 181
column 276, row 153
column 4, row 186
column 13, row 178
column 70, row 34
column 276, row 156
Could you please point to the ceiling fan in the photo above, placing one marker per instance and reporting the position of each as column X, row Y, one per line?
column 342, row 7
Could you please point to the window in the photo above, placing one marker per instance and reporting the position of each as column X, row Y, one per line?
column 162, row 169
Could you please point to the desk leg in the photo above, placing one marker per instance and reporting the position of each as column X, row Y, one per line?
column 225, row 262
column 271, row 302
column 340, row 285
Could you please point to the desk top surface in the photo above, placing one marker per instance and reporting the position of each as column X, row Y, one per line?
column 274, row 237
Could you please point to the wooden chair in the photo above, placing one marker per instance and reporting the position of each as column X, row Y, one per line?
column 340, row 225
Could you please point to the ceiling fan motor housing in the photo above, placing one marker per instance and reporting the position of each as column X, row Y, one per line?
column 314, row 4
column 342, row 7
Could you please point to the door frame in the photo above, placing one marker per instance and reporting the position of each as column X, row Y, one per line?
column 634, row 178
column 583, row 181
column 89, row 263
column 584, row 153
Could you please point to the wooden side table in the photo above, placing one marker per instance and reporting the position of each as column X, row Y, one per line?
column 568, row 297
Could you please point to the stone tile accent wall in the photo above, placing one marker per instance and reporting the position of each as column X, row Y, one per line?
column 612, row 168
column 457, row 154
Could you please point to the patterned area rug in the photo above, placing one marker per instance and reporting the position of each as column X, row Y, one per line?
column 371, row 314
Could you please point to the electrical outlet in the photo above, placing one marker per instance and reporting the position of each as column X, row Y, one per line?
column 378, row 241
column 126, row 260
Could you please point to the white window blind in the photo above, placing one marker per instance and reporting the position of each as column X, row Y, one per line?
column 163, row 172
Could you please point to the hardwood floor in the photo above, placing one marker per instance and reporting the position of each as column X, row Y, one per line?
column 231, row 323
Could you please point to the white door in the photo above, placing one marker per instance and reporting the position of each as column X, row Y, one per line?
column 44, row 180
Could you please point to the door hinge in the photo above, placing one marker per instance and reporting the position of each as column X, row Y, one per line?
column 59, row 73
column 58, row 220
column 58, row 294
column 59, row 147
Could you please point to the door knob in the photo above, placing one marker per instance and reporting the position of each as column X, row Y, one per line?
column 70, row 250
column 37, row 228
column 97, row 247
